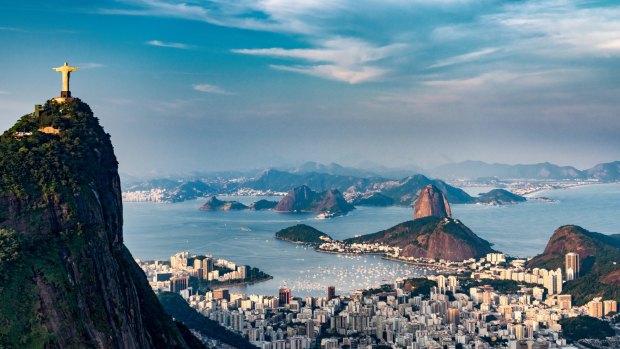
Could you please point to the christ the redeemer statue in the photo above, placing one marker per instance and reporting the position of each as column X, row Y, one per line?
column 66, row 73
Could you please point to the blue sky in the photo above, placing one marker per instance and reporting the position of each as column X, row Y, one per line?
column 213, row 85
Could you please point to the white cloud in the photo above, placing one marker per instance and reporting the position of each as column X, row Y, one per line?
column 343, row 59
column 208, row 88
column 177, row 45
column 610, row 45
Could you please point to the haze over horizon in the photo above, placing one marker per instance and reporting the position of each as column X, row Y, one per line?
column 209, row 85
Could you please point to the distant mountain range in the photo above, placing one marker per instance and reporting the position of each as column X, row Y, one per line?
column 478, row 169
column 469, row 169
column 313, row 173
column 332, row 169
column 359, row 185
column 282, row 181
column 371, row 191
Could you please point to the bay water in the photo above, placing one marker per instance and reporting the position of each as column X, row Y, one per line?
column 157, row 231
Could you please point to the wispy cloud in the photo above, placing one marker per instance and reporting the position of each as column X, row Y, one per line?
column 3, row 92
column 208, row 88
column 177, row 45
column 90, row 65
column 343, row 59
column 12, row 29
column 562, row 27
column 334, row 72
column 491, row 93
column 278, row 15
column 468, row 57
column 369, row 38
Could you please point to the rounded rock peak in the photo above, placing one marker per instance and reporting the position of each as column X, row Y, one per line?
column 431, row 202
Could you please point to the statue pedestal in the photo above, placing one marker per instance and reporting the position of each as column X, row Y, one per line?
column 62, row 99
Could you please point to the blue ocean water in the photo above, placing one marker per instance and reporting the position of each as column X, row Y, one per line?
column 156, row 231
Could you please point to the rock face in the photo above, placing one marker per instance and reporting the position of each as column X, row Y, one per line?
column 431, row 202
column 431, row 237
column 598, row 256
column 214, row 204
column 304, row 199
column 67, row 279
column 500, row 197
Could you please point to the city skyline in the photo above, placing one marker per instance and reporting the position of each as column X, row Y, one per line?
column 205, row 86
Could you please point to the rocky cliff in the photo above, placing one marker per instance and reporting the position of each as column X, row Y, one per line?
column 598, row 256
column 431, row 202
column 67, row 280
column 304, row 199
column 431, row 237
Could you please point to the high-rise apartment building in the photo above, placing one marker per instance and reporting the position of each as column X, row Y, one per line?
column 179, row 283
column 284, row 295
column 331, row 292
column 571, row 266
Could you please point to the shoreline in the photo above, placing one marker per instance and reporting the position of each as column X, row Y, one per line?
column 530, row 194
column 302, row 243
column 421, row 265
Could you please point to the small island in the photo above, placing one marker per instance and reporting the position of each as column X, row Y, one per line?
column 499, row 197
column 263, row 205
column 326, row 204
column 214, row 204
column 303, row 234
